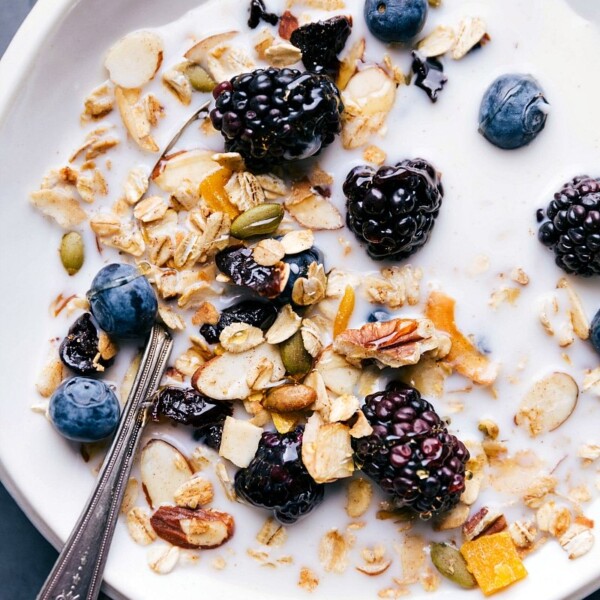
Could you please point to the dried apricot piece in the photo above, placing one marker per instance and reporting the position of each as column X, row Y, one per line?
column 345, row 310
column 494, row 562
column 463, row 356
column 215, row 195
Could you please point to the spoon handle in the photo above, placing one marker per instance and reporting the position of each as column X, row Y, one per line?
column 77, row 574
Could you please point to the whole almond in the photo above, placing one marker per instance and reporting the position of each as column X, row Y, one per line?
column 192, row 529
column 289, row 398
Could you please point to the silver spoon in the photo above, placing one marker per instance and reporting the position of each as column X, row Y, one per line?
column 77, row 573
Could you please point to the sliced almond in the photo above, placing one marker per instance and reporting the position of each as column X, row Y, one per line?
column 239, row 441
column 134, row 59
column 220, row 378
column 548, row 404
column 316, row 212
column 285, row 326
column 164, row 469
column 240, row 337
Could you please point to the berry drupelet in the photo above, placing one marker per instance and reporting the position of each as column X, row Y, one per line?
column 271, row 116
column 572, row 228
column 276, row 478
column 393, row 209
column 410, row 453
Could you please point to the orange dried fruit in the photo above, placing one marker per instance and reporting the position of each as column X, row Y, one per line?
column 463, row 356
column 494, row 562
column 212, row 189
column 345, row 310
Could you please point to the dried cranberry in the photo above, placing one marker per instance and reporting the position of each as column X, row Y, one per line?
column 253, row 312
column 80, row 349
column 187, row 406
column 237, row 263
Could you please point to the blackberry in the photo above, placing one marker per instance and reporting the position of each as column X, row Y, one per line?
column 189, row 407
column 210, row 434
column 276, row 478
column 410, row 453
column 321, row 42
column 271, row 116
column 393, row 209
column 572, row 228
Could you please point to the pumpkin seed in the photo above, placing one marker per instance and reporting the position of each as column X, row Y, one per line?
column 295, row 357
column 201, row 81
column 72, row 252
column 450, row 563
column 289, row 398
column 258, row 220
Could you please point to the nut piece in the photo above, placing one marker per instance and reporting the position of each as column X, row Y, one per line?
column 139, row 527
column 194, row 493
column 239, row 441
column 192, row 529
column 359, row 496
column 311, row 210
column 327, row 450
column 338, row 374
column 163, row 469
column 393, row 343
column 485, row 520
column 548, row 404
column 289, row 398
column 297, row 241
column 134, row 59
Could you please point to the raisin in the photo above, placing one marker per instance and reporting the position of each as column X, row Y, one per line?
column 253, row 312
column 258, row 11
column 237, row 263
column 321, row 43
column 79, row 349
column 187, row 406
column 429, row 75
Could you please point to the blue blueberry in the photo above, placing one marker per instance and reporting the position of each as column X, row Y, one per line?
column 595, row 332
column 122, row 301
column 299, row 264
column 84, row 410
column 395, row 20
column 513, row 111
column 379, row 315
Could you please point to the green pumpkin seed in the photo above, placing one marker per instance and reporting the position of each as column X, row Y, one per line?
column 263, row 219
column 450, row 563
column 201, row 81
column 296, row 359
column 71, row 252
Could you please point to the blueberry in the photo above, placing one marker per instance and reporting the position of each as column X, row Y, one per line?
column 84, row 410
column 595, row 332
column 122, row 301
column 513, row 111
column 299, row 264
column 379, row 315
column 395, row 20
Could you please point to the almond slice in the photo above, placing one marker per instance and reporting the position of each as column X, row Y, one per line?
column 134, row 59
column 548, row 404
column 164, row 469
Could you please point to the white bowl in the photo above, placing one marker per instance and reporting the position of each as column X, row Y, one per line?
column 51, row 64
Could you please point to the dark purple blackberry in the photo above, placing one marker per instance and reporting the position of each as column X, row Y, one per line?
column 393, row 209
column 410, row 453
column 210, row 434
column 271, row 116
column 276, row 478
column 572, row 230
column 321, row 42
column 258, row 12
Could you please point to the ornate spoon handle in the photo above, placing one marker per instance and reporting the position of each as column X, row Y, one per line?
column 77, row 574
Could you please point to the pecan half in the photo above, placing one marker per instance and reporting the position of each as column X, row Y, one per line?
column 393, row 343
